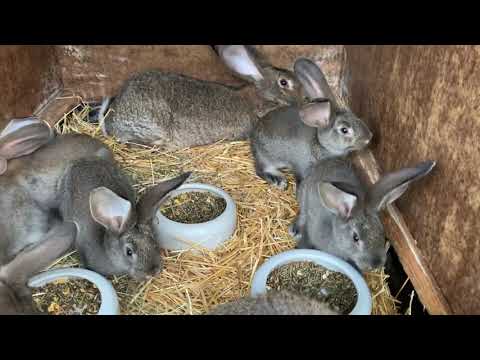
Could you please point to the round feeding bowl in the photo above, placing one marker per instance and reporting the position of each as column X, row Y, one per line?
column 108, row 296
column 333, row 263
column 173, row 235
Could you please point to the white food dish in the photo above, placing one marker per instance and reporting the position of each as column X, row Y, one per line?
column 333, row 263
column 172, row 235
column 108, row 295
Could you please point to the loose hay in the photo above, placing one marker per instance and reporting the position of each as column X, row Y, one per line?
column 195, row 283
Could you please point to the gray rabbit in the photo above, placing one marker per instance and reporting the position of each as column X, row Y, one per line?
column 22, row 137
column 296, row 137
column 274, row 303
column 176, row 111
column 75, row 178
column 114, row 234
column 339, row 214
column 15, row 295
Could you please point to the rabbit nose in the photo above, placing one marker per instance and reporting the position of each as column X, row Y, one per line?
column 378, row 261
column 155, row 269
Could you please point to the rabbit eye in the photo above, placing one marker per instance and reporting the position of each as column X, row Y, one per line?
column 283, row 82
column 356, row 239
column 344, row 130
column 129, row 252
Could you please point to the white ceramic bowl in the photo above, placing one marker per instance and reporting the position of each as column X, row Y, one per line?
column 108, row 295
column 172, row 235
column 333, row 263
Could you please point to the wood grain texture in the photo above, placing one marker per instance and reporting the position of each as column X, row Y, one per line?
column 422, row 102
column 93, row 72
column 29, row 76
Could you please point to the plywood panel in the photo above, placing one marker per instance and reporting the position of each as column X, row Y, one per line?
column 96, row 71
column 423, row 103
column 28, row 75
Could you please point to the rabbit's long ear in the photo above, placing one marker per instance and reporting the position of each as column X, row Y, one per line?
column 313, row 80
column 317, row 114
column 3, row 165
column 110, row 210
column 339, row 202
column 241, row 60
column 36, row 258
column 22, row 137
column 149, row 202
column 391, row 186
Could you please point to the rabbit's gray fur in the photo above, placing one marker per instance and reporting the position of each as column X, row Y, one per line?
column 31, row 194
column 55, row 182
column 175, row 111
column 335, row 205
column 296, row 137
column 15, row 296
column 39, row 174
column 104, row 247
column 274, row 303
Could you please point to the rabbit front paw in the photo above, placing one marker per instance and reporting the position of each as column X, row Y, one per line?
column 278, row 181
column 294, row 231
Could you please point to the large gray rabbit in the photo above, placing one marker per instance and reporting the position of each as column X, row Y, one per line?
column 176, row 111
column 296, row 137
column 339, row 214
column 75, row 178
column 15, row 295
column 274, row 303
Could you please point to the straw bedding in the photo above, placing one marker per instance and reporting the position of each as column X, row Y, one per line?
column 195, row 283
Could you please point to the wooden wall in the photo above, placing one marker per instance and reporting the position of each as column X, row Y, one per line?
column 28, row 75
column 96, row 71
column 423, row 102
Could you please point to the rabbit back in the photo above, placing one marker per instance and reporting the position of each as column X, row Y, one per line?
column 282, row 140
column 82, row 177
column 274, row 303
column 23, row 221
column 40, row 173
column 176, row 111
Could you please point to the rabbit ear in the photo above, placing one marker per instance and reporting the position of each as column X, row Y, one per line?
column 339, row 202
column 36, row 258
column 317, row 114
column 148, row 204
column 110, row 210
column 17, row 124
column 23, row 136
column 391, row 186
column 313, row 80
column 239, row 59
column 3, row 165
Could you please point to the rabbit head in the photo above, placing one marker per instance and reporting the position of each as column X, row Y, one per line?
column 339, row 131
column 22, row 137
column 279, row 86
column 15, row 296
column 128, row 237
column 356, row 227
